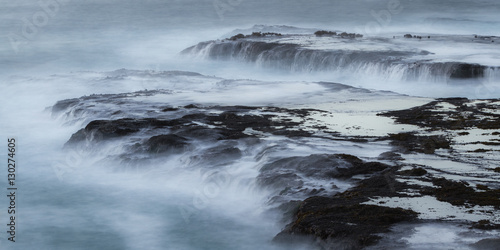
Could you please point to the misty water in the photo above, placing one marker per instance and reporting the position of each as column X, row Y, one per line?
column 86, row 198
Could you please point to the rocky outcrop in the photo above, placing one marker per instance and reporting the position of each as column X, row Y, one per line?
column 293, row 54
column 342, row 221
column 231, row 123
column 450, row 113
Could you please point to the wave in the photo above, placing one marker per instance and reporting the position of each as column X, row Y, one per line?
column 394, row 64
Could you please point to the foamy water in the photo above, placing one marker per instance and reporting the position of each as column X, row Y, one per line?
column 85, row 198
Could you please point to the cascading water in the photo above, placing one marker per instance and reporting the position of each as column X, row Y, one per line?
column 125, row 142
column 391, row 65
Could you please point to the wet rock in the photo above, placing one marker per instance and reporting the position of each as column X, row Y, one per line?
column 466, row 70
column 166, row 144
column 414, row 172
column 342, row 224
column 219, row 155
column 301, row 177
column 228, row 125
column 462, row 115
column 325, row 33
column 461, row 194
column 485, row 225
column 99, row 130
column 316, row 166
column 236, row 37
column 169, row 109
column 260, row 34
column 391, row 156
column 203, row 133
column 409, row 142
column 342, row 221
column 63, row 105
column 487, row 244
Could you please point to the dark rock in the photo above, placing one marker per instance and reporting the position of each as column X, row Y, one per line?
column 315, row 166
column 383, row 184
column 167, row 144
column 202, row 133
column 460, row 194
column 99, row 130
column 392, row 156
column 462, row 117
column 485, row 225
column 487, row 244
column 191, row 106
column 341, row 221
column 344, row 225
column 236, row 37
column 482, row 187
column 260, row 34
column 293, row 133
column 325, row 33
column 481, row 150
column 63, row 105
column 254, row 34
column 409, row 142
column 408, row 36
column 226, row 126
column 169, row 109
column 466, row 70
column 414, row 172
column 219, row 155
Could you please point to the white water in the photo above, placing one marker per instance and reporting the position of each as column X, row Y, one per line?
column 75, row 200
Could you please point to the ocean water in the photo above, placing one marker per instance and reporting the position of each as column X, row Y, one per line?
column 84, row 198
